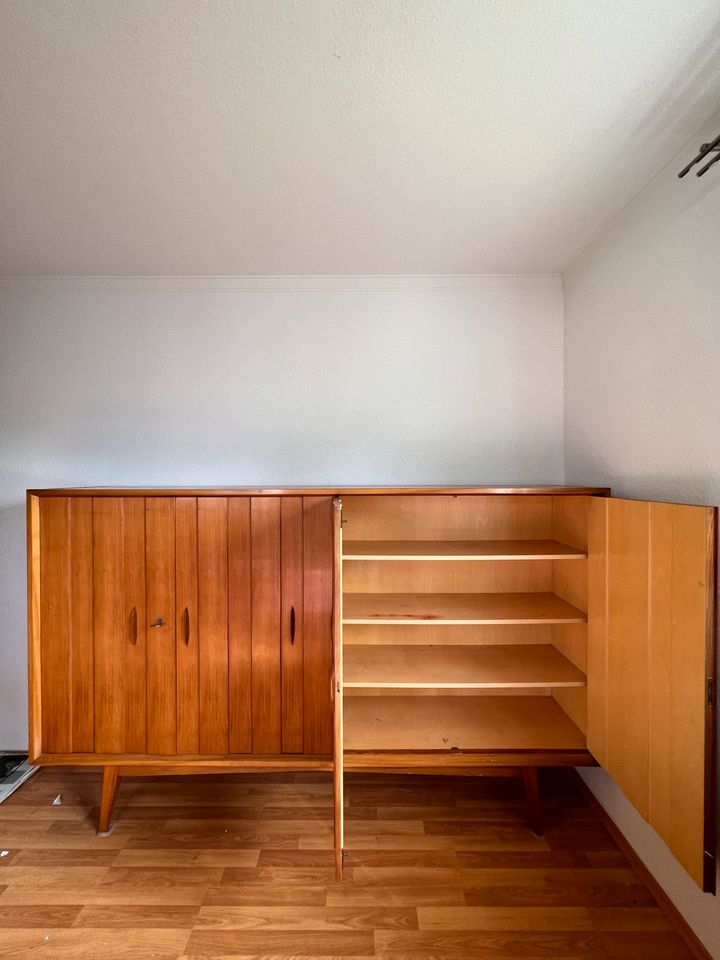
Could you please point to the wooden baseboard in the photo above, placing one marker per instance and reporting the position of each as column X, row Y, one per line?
column 679, row 922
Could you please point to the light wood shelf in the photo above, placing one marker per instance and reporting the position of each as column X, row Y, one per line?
column 458, row 608
column 462, row 723
column 460, row 550
column 397, row 667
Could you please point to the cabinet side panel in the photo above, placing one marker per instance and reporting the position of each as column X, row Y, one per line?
column 627, row 663
column 318, row 618
column 213, row 625
column 681, row 590
column 240, row 624
column 119, row 615
column 66, row 617
column 186, row 624
column 161, row 663
column 597, row 629
column 266, row 685
column 291, row 620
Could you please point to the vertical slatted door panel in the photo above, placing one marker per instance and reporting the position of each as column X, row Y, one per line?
column 291, row 619
column 213, row 625
column 266, row 590
column 318, row 563
column 186, row 624
column 240, row 625
column 681, row 644
column 66, row 639
column 119, row 616
column 160, row 625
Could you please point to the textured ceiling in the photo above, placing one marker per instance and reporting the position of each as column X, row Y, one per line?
column 336, row 136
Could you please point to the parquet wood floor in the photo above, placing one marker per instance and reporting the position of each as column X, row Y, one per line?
column 242, row 867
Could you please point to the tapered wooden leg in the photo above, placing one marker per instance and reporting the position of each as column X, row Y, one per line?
column 110, row 787
column 532, row 793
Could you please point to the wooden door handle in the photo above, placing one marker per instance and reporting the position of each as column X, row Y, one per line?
column 292, row 625
column 133, row 626
column 186, row 626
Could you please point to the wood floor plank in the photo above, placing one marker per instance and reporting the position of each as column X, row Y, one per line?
column 308, row 918
column 602, row 919
column 342, row 943
column 84, row 944
column 241, row 867
column 512, row 945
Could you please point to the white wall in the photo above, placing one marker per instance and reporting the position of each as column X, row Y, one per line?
column 277, row 381
column 642, row 400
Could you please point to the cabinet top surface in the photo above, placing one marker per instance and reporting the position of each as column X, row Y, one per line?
column 316, row 491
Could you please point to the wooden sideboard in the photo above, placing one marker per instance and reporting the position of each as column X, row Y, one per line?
column 428, row 630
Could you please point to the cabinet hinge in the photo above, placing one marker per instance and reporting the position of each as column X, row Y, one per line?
column 711, row 691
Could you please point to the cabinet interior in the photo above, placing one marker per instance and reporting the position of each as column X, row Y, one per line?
column 464, row 622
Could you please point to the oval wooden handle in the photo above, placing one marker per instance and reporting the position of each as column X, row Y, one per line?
column 292, row 625
column 133, row 626
column 186, row 626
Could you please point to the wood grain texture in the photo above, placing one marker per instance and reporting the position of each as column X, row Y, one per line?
column 318, row 623
column 240, row 625
column 119, row 617
column 459, row 723
column 337, row 689
column 292, row 624
column 186, row 616
column 456, row 667
column 597, row 652
column 456, row 873
column 34, row 606
column 213, row 624
column 266, row 593
column 627, row 649
column 681, row 591
column 66, row 618
column 458, row 608
column 160, row 640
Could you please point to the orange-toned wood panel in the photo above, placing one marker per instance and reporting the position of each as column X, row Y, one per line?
column 186, row 624
column 240, row 625
column 119, row 616
column 627, row 649
column 446, row 517
column 680, row 658
column 66, row 624
column 213, row 624
column 441, row 576
column 160, row 625
column 291, row 620
column 318, row 617
column 266, row 588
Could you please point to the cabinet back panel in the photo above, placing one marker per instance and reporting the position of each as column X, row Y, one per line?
column 446, row 517
column 441, row 576
column 438, row 634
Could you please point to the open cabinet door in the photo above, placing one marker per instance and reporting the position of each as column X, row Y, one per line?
column 651, row 666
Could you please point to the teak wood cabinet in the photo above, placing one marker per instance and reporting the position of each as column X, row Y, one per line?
column 426, row 630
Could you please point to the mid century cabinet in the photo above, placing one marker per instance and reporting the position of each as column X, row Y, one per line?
column 426, row 630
